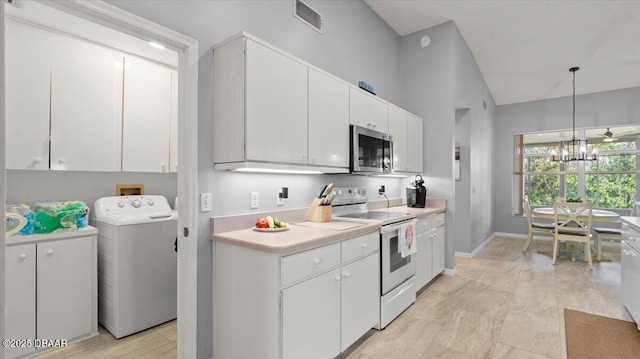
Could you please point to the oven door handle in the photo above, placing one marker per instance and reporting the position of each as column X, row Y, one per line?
column 387, row 229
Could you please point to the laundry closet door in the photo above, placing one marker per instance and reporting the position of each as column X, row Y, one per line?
column 146, row 116
column 27, row 96
column 86, row 106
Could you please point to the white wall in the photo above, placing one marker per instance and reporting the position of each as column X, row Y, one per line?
column 476, row 195
column 592, row 110
column 428, row 91
column 437, row 80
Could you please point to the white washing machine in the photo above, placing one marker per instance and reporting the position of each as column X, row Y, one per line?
column 137, row 269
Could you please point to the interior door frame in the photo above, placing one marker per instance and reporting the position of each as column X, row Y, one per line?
column 187, row 49
column 3, row 177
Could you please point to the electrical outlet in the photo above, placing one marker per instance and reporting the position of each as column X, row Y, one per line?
column 279, row 199
column 205, row 202
column 255, row 200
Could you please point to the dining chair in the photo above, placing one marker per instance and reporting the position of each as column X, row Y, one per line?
column 572, row 222
column 614, row 234
column 535, row 227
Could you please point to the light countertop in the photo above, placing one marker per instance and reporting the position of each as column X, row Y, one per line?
column 297, row 237
column 18, row 239
column 302, row 235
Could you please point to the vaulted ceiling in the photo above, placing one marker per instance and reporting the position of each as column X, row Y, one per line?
column 525, row 48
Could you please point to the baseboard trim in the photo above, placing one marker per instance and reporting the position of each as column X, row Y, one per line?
column 478, row 248
column 449, row 272
column 513, row 235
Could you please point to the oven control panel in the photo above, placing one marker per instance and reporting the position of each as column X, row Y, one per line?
column 349, row 195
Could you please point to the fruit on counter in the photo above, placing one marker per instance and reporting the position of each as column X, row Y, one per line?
column 270, row 222
column 262, row 223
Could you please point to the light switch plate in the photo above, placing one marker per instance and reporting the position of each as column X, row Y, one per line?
column 255, row 200
column 205, row 202
column 279, row 199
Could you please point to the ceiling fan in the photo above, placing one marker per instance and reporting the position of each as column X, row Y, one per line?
column 608, row 136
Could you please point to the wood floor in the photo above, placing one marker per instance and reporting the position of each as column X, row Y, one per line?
column 500, row 304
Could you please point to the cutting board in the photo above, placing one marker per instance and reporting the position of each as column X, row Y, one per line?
column 333, row 225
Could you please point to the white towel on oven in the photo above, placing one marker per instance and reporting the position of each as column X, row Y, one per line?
column 407, row 240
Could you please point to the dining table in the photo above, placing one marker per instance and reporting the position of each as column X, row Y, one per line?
column 597, row 215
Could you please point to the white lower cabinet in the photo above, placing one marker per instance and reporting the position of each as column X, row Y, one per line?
column 360, row 299
column 309, row 304
column 431, row 248
column 311, row 318
column 438, row 251
column 51, row 288
column 20, row 296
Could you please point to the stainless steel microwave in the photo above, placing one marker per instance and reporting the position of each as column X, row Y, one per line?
column 370, row 151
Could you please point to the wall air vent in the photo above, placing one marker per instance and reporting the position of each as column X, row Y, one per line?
column 304, row 13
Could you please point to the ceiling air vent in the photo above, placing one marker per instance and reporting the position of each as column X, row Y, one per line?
column 307, row 15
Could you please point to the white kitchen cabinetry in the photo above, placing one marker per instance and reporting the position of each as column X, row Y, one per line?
column 51, row 286
column 27, row 96
column 313, row 303
column 406, row 132
column 368, row 111
column 398, row 131
column 328, row 120
column 360, row 299
column 439, row 249
column 415, row 146
column 260, row 104
column 86, row 106
column 431, row 255
column 311, row 318
column 630, row 268
column 146, row 116
column 275, row 106
column 20, row 296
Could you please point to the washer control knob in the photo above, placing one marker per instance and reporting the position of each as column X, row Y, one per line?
column 136, row 203
column 121, row 204
column 150, row 202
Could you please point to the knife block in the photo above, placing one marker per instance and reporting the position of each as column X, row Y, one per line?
column 318, row 213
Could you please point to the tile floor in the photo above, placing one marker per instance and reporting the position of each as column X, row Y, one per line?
column 500, row 304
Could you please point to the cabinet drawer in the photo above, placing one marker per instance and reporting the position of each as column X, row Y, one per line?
column 434, row 221
column 360, row 246
column 301, row 265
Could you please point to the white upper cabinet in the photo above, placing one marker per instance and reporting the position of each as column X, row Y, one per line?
column 86, row 106
column 398, row 132
column 415, row 146
column 328, row 120
column 27, row 96
column 406, row 132
column 64, row 105
column 368, row 111
column 275, row 105
column 173, row 143
column 146, row 116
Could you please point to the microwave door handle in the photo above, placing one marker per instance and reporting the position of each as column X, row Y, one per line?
column 387, row 229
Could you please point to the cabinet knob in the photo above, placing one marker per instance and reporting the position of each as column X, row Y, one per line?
column 61, row 160
column 338, row 278
column 373, row 126
column 50, row 252
column 363, row 245
column 163, row 166
column 317, row 261
column 37, row 159
column 346, row 274
column 22, row 257
column 175, row 166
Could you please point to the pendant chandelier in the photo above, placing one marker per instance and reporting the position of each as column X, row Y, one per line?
column 575, row 149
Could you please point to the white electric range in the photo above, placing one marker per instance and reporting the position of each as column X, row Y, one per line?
column 397, row 291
